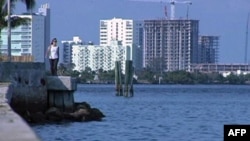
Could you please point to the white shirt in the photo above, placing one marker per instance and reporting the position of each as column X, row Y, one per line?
column 53, row 52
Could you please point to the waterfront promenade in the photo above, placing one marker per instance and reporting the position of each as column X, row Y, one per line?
column 12, row 127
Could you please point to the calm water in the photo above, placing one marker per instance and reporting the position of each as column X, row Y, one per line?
column 156, row 113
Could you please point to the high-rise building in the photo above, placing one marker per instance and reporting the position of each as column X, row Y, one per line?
column 208, row 49
column 29, row 39
column 170, row 45
column 44, row 10
column 99, row 57
column 66, row 50
column 128, row 32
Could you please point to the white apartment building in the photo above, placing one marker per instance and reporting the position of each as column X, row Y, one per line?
column 30, row 39
column 99, row 57
column 66, row 50
column 128, row 31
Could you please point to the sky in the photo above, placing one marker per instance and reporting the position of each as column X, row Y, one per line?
column 224, row 18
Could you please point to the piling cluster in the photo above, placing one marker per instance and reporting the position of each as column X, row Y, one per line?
column 127, row 90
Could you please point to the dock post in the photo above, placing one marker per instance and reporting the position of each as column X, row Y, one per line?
column 129, row 92
column 118, row 77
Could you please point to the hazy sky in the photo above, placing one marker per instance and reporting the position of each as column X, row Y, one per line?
column 224, row 18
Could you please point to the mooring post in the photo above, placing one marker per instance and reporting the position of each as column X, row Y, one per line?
column 129, row 79
column 118, row 77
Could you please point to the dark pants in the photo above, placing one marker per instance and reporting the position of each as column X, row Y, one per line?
column 53, row 66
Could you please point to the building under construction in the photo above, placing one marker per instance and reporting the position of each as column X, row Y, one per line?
column 208, row 49
column 170, row 45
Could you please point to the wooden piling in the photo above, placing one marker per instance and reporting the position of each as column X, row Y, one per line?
column 118, row 79
column 129, row 92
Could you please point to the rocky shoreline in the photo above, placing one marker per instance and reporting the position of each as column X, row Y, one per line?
column 82, row 112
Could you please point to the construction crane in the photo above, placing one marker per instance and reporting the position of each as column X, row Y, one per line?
column 165, row 12
column 246, row 42
column 172, row 4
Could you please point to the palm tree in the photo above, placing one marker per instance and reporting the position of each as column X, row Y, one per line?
column 15, row 20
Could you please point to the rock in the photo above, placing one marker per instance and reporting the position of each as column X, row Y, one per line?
column 82, row 105
column 78, row 115
column 95, row 115
column 38, row 117
column 54, row 114
column 82, row 112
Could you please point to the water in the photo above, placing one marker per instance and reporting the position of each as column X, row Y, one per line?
column 156, row 113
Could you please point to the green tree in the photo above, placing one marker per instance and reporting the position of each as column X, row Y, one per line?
column 232, row 79
column 179, row 77
column 62, row 69
column 15, row 20
column 86, row 75
column 107, row 75
column 146, row 75
column 67, row 70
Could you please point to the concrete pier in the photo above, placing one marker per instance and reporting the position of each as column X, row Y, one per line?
column 26, row 91
column 23, row 90
column 12, row 127
column 60, row 92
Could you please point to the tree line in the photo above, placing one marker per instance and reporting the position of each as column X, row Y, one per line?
column 150, row 77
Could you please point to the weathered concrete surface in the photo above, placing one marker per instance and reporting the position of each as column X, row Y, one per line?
column 8, row 69
column 28, row 85
column 12, row 126
column 61, row 83
column 29, row 92
column 31, row 99
column 64, row 100
column 61, row 92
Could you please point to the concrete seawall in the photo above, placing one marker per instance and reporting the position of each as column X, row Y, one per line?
column 21, row 77
column 27, row 95
column 28, row 85
column 12, row 127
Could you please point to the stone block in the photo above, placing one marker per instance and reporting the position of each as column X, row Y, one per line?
column 61, row 83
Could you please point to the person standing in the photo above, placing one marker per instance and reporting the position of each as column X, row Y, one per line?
column 53, row 54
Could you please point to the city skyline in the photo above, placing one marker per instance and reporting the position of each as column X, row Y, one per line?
column 225, row 18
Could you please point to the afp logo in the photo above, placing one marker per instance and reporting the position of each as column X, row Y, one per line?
column 236, row 132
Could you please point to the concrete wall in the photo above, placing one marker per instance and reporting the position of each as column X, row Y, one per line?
column 8, row 70
column 28, row 85
column 26, row 92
